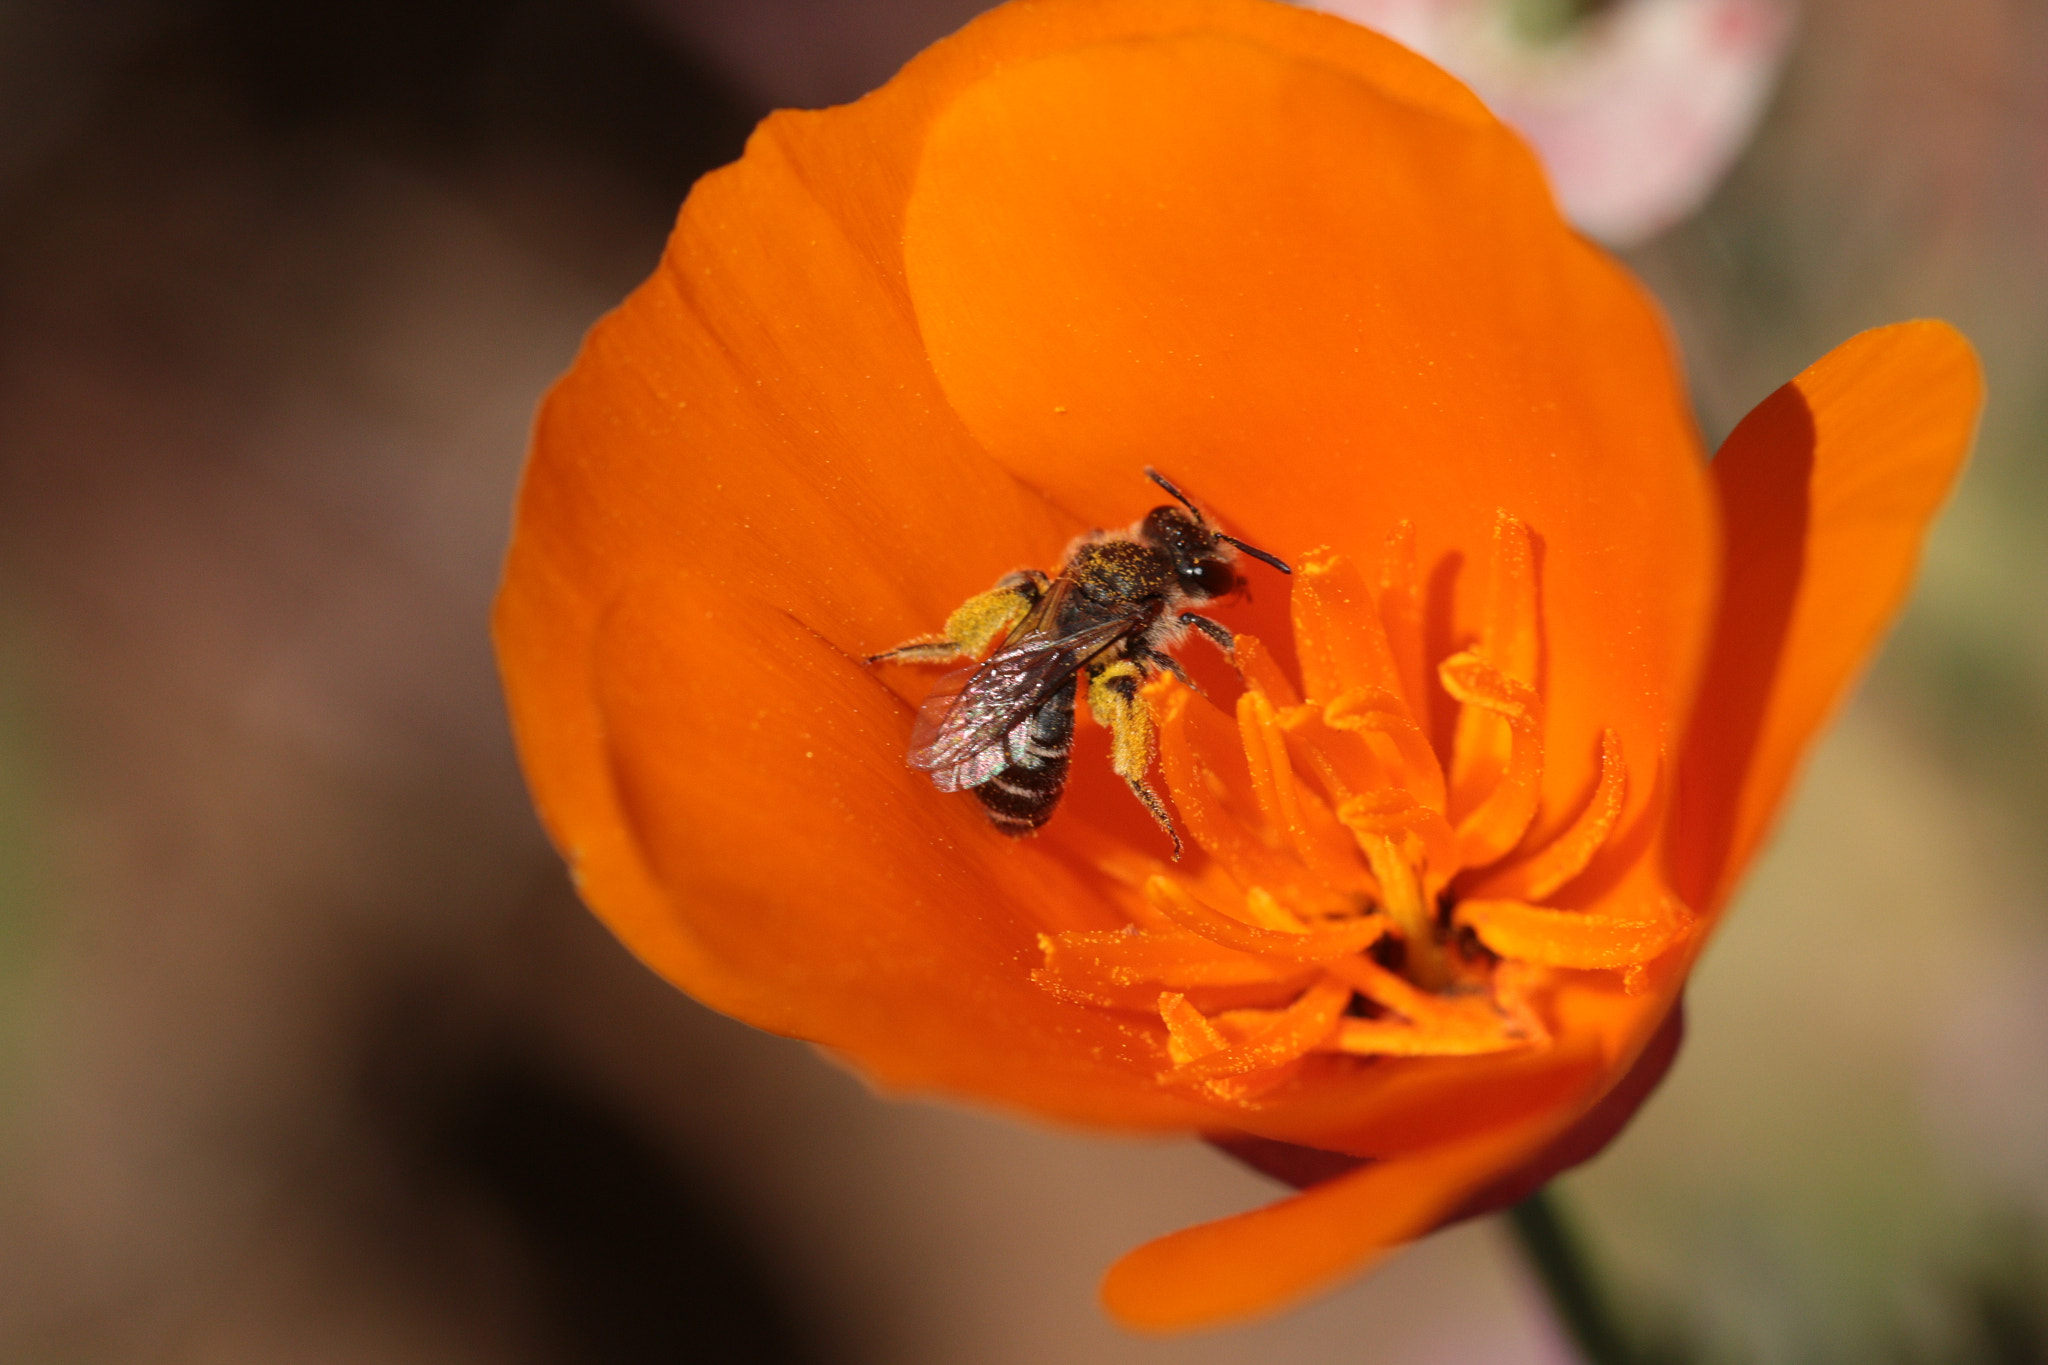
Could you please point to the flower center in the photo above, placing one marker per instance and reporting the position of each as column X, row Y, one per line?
column 1359, row 896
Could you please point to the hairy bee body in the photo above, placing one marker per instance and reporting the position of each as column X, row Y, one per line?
column 1023, row 796
column 1119, row 602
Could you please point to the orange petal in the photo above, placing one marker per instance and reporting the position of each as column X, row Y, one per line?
column 1826, row 491
column 1160, row 957
column 1263, row 1260
column 1399, row 1106
column 1388, row 1038
column 900, row 961
column 1589, row 1134
column 1251, row 245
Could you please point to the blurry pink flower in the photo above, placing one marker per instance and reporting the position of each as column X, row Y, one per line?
column 1636, row 112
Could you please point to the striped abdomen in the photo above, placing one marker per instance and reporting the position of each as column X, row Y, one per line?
column 1022, row 796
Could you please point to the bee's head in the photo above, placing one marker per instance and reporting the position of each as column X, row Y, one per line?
column 1203, row 557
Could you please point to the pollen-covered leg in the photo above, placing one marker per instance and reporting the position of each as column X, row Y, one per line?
column 975, row 624
column 1114, row 701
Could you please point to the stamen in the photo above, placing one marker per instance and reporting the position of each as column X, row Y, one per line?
column 1368, row 711
column 1309, row 945
column 1491, row 829
column 1301, row 817
column 1263, row 675
column 1401, row 614
column 1318, row 913
column 1401, row 896
column 1214, row 808
column 1508, row 633
column 1264, row 910
column 1509, row 642
column 1271, row 1037
column 1337, row 629
column 1191, row 1036
column 1342, row 760
column 1566, row 856
column 1394, row 813
column 1577, row 938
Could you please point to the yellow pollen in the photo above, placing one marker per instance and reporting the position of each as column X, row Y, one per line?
column 1351, row 893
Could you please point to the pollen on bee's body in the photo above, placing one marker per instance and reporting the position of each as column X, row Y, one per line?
column 1359, row 895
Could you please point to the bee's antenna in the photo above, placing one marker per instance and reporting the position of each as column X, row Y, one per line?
column 1256, row 553
column 1179, row 496
column 1251, row 550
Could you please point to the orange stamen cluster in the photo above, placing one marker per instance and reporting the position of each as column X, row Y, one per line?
column 1360, row 897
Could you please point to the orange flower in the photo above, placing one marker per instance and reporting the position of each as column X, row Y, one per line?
column 1497, row 759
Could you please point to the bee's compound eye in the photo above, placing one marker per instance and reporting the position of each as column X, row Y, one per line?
column 1208, row 578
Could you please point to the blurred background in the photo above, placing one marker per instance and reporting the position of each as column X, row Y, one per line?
column 306, row 1051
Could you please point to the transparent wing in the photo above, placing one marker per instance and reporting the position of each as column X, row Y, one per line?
column 962, row 728
column 977, row 765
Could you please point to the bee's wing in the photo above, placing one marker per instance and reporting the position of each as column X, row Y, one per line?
column 938, row 737
column 961, row 729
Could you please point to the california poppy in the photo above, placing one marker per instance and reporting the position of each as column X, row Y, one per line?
column 1493, row 763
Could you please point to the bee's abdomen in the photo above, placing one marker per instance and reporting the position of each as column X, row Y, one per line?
column 1023, row 795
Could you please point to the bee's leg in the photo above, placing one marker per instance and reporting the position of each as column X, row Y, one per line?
column 1217, row 634
column 1166, row 663
column 975, row 624
column 1114, row 702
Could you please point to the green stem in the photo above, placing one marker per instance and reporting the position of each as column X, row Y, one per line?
column 1559, row 1260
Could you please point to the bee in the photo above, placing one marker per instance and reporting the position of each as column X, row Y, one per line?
column 1121, row 599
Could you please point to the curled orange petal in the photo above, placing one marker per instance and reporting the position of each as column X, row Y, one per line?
column 1827, row 490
